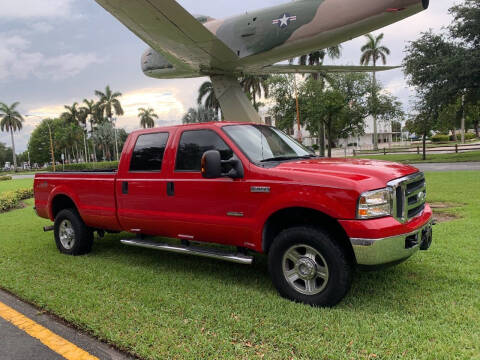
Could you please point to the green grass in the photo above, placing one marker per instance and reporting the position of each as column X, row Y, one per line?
column 431, row 158
column 160, row 305
column 10, row 185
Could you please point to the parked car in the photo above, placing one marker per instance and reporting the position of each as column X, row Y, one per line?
column 251, row 187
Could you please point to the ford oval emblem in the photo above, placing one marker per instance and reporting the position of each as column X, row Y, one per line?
column 421, row 196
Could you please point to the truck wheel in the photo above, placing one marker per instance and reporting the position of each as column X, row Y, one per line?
column 72, row 236
column 308, row 266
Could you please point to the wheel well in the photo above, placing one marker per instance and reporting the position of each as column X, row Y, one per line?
column 297, row 216
column 61, row 202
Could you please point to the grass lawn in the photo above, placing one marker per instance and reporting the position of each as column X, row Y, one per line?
column 159, row 305
column 10, row 185
column 431, row 158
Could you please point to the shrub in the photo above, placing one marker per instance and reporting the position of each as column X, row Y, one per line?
column 107, row 165
column 11, row 199
column 440, row 138
column 468, row 136
column 5, row 178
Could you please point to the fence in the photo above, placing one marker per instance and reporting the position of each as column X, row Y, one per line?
column 418, row 150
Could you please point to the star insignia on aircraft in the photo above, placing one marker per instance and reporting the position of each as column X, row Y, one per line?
column 284, row 20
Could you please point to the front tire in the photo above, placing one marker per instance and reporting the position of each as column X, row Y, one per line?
column 72, row 236
column 308, row 266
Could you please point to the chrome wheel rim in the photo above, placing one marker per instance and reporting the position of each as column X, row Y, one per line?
column 305, row 269
column 66, row 234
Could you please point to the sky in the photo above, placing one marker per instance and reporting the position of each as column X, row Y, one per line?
column 56, row 52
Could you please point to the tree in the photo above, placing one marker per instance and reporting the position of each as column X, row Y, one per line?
column 317, row 58
column 206, row 95
column 5, row 154
column 199, row 115
column 372, row 52
column 340, row 108
column 147, row 117
column 11, row 121
column 255, row 85
column 72, row 114
column 282, row 91
column 91, row 112
column 108, row 105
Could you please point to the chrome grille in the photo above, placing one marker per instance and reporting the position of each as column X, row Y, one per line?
column 409, row 196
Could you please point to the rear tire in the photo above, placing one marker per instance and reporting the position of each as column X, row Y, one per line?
column 72, row 236
column 308, row 266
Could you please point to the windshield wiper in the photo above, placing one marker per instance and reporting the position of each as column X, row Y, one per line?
column 284, row 158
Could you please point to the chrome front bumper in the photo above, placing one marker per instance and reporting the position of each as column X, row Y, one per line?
column 392, row 249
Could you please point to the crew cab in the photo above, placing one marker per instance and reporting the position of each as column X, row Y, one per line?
column 252, row 189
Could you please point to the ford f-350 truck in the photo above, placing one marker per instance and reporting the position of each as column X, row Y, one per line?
column 250, row 188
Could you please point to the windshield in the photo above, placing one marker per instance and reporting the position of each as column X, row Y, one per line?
column 264, row 143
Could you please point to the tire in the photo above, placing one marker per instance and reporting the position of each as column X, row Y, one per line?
column 72, row 236
column 308, row 266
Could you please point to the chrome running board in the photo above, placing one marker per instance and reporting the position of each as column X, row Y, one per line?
column 192, row 250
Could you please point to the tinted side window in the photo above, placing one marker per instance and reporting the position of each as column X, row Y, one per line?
column 193, row 145
column 148, row 152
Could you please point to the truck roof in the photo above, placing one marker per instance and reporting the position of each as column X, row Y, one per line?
column 208, row 124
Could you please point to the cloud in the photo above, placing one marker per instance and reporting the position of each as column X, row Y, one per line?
column 24, row 9
column 167, row 103
column 17, row 62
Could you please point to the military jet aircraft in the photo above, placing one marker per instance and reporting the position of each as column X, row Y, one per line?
column 184, row 46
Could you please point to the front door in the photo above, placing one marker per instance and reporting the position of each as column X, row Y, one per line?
column 209, row 210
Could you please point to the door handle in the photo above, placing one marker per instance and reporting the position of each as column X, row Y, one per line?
column 125, row 187
column 170, row 188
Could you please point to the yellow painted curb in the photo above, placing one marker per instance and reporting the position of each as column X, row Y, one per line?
column 56, row 343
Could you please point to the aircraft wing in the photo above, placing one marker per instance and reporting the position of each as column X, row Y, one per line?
column 169, row 29
column 307, row 69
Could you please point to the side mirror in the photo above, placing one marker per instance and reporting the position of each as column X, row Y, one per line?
column 211, row 166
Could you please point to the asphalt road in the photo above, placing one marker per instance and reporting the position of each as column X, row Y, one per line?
column 464, row 166
column 15, row 344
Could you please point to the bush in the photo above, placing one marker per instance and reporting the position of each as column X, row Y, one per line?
column 440, row 138
column 468, row 136
column 5, row 178
column 11, row 199
column 107, row 165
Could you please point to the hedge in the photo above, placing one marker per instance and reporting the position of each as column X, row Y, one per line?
column 11, row 199
column 468, row 136
column 440, row 138
column 107, row 165
column 446, row 138
column 5, row 178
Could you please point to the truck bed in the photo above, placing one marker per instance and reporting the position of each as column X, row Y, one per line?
column 92, row 192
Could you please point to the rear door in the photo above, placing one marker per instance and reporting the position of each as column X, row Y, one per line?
column 141, row 185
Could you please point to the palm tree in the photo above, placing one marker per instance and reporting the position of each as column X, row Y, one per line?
column 199, row 115
column 109, row 105
column 90, row 111
column 254, row 86
column 206, row 95
column 317, row 58
column 72, row 115
column 11, row 120
column 147, row 117
column 372, row 52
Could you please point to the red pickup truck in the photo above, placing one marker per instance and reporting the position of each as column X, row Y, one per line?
column 250, row 188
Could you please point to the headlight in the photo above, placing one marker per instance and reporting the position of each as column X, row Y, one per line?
column 374, row 204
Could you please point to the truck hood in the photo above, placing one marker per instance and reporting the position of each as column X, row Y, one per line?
column 365, row 174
